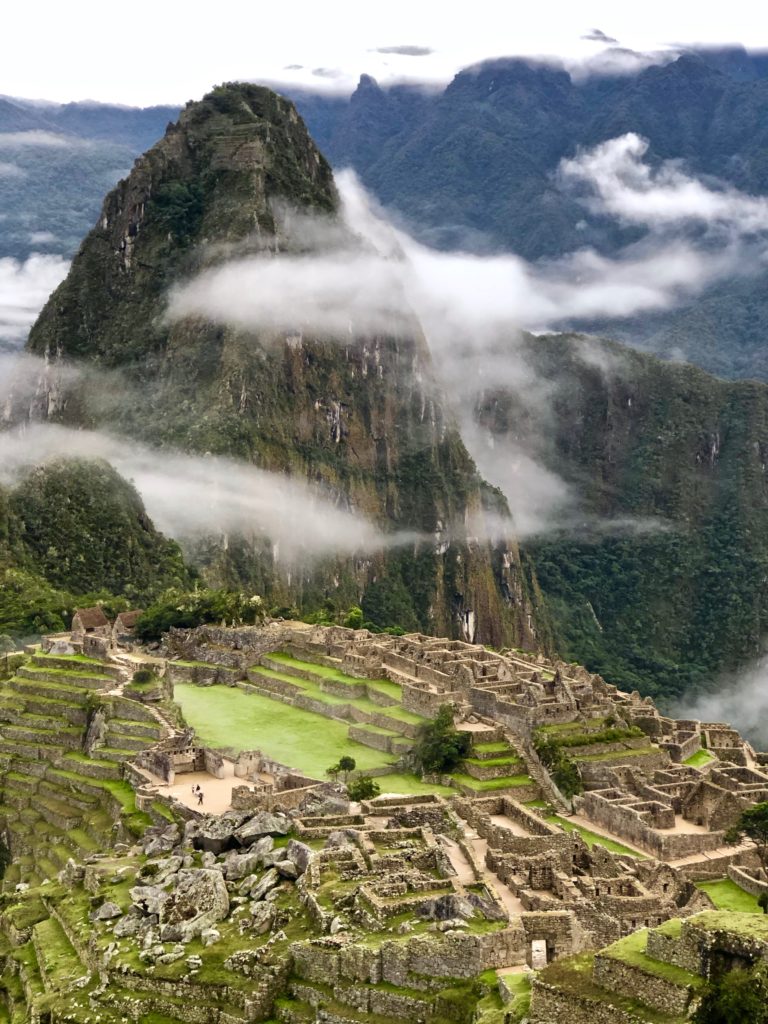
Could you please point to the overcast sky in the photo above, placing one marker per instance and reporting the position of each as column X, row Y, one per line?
column 169, row 51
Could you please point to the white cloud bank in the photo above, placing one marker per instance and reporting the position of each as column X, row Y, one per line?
column 24, row 288
column 626, row 187
column 190, row 496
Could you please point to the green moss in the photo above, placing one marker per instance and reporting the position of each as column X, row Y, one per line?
column 594, row 838
column 727, row 895
column 631, row 950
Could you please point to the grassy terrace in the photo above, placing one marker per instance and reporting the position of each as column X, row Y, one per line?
column 574, row 975
column 726, row 895
column 631, row 950
column 593, row 839
column 393, row 690
column 505, row 782
column 312, row 689
column 699, row 759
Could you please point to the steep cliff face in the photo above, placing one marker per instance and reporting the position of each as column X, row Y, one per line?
column 359, row 415
column 676, row 591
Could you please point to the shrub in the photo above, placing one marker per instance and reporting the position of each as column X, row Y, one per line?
column 363, row 788
column 441, row 747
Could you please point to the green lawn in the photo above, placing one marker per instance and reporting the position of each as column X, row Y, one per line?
column 226, row 717
column 592, row 838
column 409, row 785
column 726, row 895
column 699, row 759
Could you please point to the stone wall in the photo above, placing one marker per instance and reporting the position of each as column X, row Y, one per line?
column 650, row 989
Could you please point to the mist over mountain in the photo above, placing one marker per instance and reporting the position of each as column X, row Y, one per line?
column 475, row 167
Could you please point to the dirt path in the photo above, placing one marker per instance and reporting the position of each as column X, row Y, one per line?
column 459, row 862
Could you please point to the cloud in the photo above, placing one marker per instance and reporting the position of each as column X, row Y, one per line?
column 42, row 237
column 622, row 185
column 405, row 50
column 191, row 496
column 11, row 171
column 597, row 35
column 741, row 700
column 37, row 138
column 24, row 287
column 366, row 278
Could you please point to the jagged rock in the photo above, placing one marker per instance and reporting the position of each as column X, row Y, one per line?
column 160, row 839
column 199, row 900
column 446, row 908
column 170, row 958
column 263, row 824
column 21, row 887
column 214, row 835
column 287, row 869
column 96, row 733
column 128, row 925
column 148, row 898
column 194, row 962
column 70, row 874
column 267, row 882
column 209, row 935
column 300, row 854
column 208, row 859
column 106, row 912
column 262, row 917
column 171, row 933
column 238, row 865
column 337, row 924
column 451, row 925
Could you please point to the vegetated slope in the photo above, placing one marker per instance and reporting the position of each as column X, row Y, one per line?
column 58, row 161
column 473, row 167
column 361, row 416
column 677, row 591
column 71, row 528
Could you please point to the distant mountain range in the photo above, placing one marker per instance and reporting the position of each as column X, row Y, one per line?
column 56, row 162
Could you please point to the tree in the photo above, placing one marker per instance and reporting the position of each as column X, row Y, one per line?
column 347, row 764
column 441, row 747
column 752, row 824
column 735, row 997
column 363, row 788
column 354, row 618
column 333, row 771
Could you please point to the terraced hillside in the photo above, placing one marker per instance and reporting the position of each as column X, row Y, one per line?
column 364, row 713
column 56, row 800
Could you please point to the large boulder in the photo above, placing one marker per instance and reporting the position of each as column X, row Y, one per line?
column 300, row 854
column 198, row 901
column 266, row 823
column 148, row 898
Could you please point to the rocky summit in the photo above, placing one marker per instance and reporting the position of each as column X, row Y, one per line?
column 360, row 415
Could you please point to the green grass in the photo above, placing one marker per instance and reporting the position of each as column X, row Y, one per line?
column 505, row 782
column 409, row 785
column 312, row 689
column 726, row 895
column 699, row 759
column 386, row 686
column 747, row 924
column 225, row 717
column 492, row 748
column 611, row 755
column 592, row 838
column 631, row 950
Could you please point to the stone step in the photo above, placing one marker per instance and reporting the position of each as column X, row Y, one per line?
column 124, row 741
column 67, row 736
column 58, row 813
column 150, row 731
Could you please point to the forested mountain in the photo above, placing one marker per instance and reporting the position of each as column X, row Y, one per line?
column 359, row 412
column 56, row 161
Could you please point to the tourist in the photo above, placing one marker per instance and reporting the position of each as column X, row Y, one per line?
column 199, row 797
